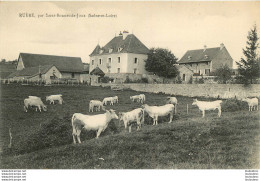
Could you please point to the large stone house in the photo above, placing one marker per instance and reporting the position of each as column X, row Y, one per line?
column 62, row 67
column 207, row 60
column 124, row 54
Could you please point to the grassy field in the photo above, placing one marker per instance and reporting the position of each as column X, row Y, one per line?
column 43, row 140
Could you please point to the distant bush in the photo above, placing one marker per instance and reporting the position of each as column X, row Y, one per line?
column 106, row 79
column 142, row 80
column 231, row 105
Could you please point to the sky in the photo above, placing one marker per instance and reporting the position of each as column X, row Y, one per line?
column 178, row 26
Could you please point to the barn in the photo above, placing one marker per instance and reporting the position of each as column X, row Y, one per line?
column 65, row 67
column 45, row 72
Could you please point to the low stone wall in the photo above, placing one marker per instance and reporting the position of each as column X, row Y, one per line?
column 192, row 90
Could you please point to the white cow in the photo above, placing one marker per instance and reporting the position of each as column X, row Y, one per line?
column 155, row 111
column 91, row 122
column 172, row 100
column 53, row 98
column 204, row 105
column 138, row 98
column 96, row 104
column 109, row 99
column 115, row 99
column 134, row 116
column 252, row 103
column 34, row 101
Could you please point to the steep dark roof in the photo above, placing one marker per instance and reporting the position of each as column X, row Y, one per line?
column 63, row 64
column 31, row 71
column 199, row 55
column 97, row 71
column 131, row 44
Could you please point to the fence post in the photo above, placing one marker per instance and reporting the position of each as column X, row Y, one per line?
column 10, row 134
column 187, row 108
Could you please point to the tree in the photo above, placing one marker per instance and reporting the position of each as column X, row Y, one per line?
column 161, row 62
column 223, row 74
column 249, row 68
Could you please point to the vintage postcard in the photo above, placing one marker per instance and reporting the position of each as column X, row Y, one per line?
column 130, row 85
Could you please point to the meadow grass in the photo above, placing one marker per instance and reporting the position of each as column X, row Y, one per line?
column 43, row 140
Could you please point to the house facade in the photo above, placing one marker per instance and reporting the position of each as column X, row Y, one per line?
column 45, row 72
column 68, row 67
column 123, row 54
column 207, row 60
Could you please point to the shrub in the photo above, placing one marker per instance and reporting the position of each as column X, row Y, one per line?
column 105, row 79
column 231, row 105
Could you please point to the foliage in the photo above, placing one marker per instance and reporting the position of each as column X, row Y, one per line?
column 142, row 80
column 248, row 67
column 232, row 105
column 161, row 62
column 105, row 79
column 223, row 74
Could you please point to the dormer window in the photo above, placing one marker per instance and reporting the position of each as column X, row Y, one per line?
column 189, row 57
column 100, row 51
column 206, row 56
column 119, row 49
column 110, row 50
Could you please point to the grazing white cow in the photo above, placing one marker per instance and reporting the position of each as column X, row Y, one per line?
column 155, row 111
column 172, row 100
column 91, row 122
column 204, row 105
column 115, row 99
column 34, row 101
column 53, row 98
column 109, row 99
column 138, row 98
column 252, row 103
column 134, row 116
column 96, row 104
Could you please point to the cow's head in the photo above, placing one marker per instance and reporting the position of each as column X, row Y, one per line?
column 44, row 107
column 112, row 114
column 120, row 115
column 144, row 106
column 194, row 102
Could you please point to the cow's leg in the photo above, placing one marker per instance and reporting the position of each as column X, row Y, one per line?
column 99, row 132
column 24, row 107
column 171, row 117
column 203, row 113
column 153, row 120
column 130, row 127
column 156, row 118
column 219, row 112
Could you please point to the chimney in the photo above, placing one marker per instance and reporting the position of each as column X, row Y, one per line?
column 205, row 47
column 125, row 33
column 120, row 34
column 222, row 46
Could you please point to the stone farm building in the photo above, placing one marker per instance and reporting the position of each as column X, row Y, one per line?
column 47, row 67
column 207, row 60
column 124, row 54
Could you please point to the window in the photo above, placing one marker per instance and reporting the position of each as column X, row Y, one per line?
column 191, row 65
column 100, row 61
column 183, row 77
column 118, row 58
column 100, row 51
column 118, row 70
column 208, row 63
column 199, row 72
column 72, row 75
column 108, row 70
column 110, row 50
column 119, row 49
column 92, row 62
column 109, row 60
column 136, row 60
column 135, row 71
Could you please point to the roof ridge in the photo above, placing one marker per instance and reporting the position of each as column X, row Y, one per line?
column 48, row 55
